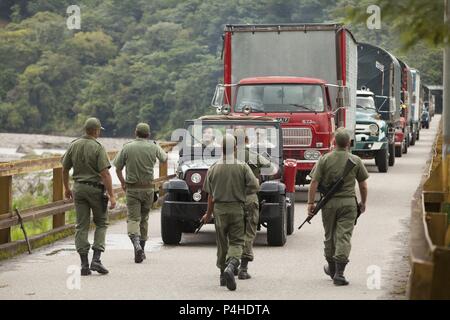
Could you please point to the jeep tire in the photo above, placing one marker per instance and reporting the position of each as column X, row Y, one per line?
column 170, row 227
column 276, row 228
column 382, row 160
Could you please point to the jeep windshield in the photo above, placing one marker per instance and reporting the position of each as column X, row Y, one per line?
column 280, row 98
column 203, row 140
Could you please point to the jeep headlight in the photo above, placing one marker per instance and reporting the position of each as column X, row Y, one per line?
column 373, row 128
column 311, row 155
column 196, row 178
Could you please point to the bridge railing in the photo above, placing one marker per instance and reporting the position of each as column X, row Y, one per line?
column 430, row 233
column 56, row 209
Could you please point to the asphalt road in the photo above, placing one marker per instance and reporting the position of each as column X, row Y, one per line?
column 188, row 271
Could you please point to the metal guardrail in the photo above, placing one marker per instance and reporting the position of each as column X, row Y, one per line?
column 430, row 247
column 56, row 208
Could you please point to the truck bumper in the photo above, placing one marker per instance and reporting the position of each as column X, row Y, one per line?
column 368, row 149
column 186, row 210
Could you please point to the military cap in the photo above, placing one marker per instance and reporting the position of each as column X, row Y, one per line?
column 342, row 136
column 93, row 123
column 143, row 128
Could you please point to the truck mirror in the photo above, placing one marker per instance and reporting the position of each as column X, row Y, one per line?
column 218, row 98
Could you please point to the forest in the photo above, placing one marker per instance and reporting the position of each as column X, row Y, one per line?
column 145, row 60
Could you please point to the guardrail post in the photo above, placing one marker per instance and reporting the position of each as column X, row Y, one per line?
column 5, row 205
column 162, row 173
column 58, row 194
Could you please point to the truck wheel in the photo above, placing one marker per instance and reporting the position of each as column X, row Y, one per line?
column 170, row 227
column 418, row 135
column 413, row 138
column 276, row 228
column 391, row 149
column 398, row 151
column 382, row 160
column 405, row 146
column 290, row 214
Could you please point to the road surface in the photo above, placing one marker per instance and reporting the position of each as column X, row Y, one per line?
column 294, row 271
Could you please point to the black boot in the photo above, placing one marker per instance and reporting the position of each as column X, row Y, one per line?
column 85, row 271
column 142, row 243
column 339, row 278
column 232, row 265
column 223, row 281
column 137, row 249
column 96, row 264
column 243, row 274
column 330, row 268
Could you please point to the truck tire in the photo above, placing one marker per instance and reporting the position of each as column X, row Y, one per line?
column 391, row 150
column 170, row 227
column 418, row 135
column 399, row 151
column 382, row 160
column 413, row 138
column 405, row 146
column 276, row 228
column 290, row 214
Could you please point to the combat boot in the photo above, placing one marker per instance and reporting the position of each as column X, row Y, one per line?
column 142, row 243
column 137, row 249
column 233, row 264
column 330, row 268
column 223, row 281
column 96, row 264
column 339, row 279
column 243, row 274
column 85, row 271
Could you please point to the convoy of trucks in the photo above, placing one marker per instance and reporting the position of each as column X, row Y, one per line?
column 309, row 79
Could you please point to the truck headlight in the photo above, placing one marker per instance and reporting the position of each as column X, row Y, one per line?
column 311, row 155
column 197, row 196
column 196, row 178
column 373, row 128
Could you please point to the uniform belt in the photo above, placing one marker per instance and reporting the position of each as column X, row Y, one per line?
column 92, row 184
column 140, row 185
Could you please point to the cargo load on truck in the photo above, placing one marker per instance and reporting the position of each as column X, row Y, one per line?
column 301, row 74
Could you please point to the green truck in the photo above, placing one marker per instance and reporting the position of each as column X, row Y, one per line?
column 371, row 133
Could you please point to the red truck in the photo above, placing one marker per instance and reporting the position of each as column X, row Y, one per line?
column 304, row 75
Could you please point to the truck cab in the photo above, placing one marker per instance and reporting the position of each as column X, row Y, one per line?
column 303, row 107
column 371, row 131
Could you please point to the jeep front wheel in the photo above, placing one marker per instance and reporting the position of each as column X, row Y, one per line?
column 382, row 159
column 276, row 228
column 170, row 227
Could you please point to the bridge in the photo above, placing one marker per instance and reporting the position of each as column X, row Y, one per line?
column 400, row 246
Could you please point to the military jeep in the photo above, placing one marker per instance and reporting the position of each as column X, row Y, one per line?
column 185, row 202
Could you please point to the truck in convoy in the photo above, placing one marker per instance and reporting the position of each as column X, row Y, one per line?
column 402, row 134
column 372, row 132
column 380, row 73
column 304, row 75
column 416, row 106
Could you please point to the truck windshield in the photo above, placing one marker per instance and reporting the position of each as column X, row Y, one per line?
column 280, row 98
column 365, row 103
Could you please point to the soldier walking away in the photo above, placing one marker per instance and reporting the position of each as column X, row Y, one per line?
column 227, row 182
column 139, row 157
column 251, row 206
column 340, row 213
column 90, row 164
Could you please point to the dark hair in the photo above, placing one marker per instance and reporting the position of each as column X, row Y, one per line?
column 142, row 135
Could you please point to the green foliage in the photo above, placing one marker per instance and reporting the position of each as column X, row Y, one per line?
column 159, row 61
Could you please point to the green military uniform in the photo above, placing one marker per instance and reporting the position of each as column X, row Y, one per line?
column 339, row 214
column 88, row 158
column 251, row 207
column 228, row 184
column 139, row 157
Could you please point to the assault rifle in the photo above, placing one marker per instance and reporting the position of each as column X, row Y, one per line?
column 335, row 187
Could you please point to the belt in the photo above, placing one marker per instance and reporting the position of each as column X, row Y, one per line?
column 92, row 184
column 139, row 185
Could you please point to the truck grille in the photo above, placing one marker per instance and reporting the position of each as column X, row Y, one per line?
column 362, row 129
column 297, row 137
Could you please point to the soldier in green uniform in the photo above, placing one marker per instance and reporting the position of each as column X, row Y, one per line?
column 90, row 164
column 339, row 214
column 251, row 206
column 139, row 157
column 227, row 182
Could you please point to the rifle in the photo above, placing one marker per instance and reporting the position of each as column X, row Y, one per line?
column 331, row 192
column 199, row 227
column 23, row 230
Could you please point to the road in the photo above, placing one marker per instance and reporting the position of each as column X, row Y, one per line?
column 294, row 271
